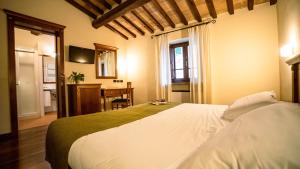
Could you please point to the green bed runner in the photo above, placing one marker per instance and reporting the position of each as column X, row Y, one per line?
column 63, row 132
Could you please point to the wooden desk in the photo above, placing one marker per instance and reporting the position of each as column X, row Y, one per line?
column 114, row 92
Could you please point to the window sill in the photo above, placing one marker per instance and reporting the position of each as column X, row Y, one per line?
column 181, row 83
column 181, row 91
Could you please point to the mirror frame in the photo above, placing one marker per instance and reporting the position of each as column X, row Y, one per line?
column 99, row 48
column 43, row 65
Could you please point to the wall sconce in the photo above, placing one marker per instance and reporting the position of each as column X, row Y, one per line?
column 287, row 51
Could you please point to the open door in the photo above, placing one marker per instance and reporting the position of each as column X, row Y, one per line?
column 61, row 96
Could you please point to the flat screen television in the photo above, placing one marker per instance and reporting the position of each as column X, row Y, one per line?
column 81, row 55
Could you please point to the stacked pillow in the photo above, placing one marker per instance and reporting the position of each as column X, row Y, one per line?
column 248, row 103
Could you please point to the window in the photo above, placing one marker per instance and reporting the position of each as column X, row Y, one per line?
column 179, row 62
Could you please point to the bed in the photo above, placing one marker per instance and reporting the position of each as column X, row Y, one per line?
column 158, row 141
column 63, row 132
column 181, row 136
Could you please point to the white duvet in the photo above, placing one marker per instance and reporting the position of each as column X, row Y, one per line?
column 265, row 138
column 161, row 141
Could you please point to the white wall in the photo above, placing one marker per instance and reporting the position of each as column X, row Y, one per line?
column 78, row 32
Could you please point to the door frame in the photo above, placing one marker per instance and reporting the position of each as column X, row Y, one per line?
column 15, row 19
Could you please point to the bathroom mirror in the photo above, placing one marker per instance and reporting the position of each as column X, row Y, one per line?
column 49, row 73
column 106, row 61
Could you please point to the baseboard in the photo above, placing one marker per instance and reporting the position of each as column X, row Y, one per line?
column 6, row 136
column 30, row 115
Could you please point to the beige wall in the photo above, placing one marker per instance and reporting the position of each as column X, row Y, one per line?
column 140, row 67
column 288, row 12
column 244, row 54
column 79, row 32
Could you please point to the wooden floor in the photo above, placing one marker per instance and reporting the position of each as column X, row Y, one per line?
column 26, row 152
column 36, row 122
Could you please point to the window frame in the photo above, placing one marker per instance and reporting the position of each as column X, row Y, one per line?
column 186, row 77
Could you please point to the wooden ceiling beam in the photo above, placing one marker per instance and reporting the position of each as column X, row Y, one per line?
column 126, row 29
column 105, row 4
column 118, row 1
column 250, row 4
column 82, row 9
column 139, row 30
column 273, row 2
column 118, row 11
column 194, row 10
column 163, row 13
column 230, row 7
column 144, row 22
column 116, row 31
column 96, row 8
column 211, row 8
column 153, row 18
column 178, row 12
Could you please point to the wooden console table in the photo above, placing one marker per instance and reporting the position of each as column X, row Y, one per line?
column 84, row 99
column 114, row 92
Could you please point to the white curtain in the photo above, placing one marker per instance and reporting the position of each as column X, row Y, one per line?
column 110, row 63
column 199, row 62
column 101, row 60
column 108, row 60
column 163, row 68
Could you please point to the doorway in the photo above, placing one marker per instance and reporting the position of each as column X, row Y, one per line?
column 20, row 69
column 35, row 54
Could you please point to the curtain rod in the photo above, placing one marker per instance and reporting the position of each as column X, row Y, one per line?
column 185, row 27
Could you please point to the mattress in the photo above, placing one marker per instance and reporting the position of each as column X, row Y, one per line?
column 159, row 141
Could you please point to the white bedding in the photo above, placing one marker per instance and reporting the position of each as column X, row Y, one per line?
column 265, row 138
column 160, row 141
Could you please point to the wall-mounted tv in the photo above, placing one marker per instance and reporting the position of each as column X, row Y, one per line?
column 81, row 55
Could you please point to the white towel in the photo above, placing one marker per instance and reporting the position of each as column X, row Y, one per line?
column 47, row 99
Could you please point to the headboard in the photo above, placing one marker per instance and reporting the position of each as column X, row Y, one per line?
column 295, row 63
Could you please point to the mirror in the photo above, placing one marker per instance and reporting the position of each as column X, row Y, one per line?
column 106, row 61
column 49, row 72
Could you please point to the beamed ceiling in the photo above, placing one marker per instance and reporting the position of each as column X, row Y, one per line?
column 131, row 18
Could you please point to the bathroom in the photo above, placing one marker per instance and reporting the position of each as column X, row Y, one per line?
column 35, row 77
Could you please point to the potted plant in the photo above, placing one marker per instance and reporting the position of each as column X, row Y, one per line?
column 76, row 77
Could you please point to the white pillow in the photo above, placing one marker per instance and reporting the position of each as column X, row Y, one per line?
column 248, row 103
column 267, row 96
column 232, row 114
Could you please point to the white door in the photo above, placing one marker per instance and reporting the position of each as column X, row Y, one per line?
column 27, row 84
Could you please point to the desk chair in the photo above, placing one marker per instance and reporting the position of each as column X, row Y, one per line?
column 123, row 102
